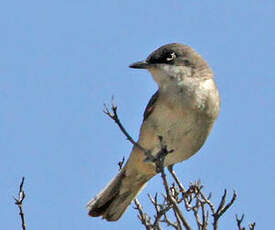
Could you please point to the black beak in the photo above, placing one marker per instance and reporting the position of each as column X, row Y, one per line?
column 140, row 65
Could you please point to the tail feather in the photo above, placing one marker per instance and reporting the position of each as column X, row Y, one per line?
column 114, row 199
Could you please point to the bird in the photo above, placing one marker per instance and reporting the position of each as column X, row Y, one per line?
column 182, row 111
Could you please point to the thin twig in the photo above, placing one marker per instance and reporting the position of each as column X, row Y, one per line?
column 207, row 201
column 239, row 223
column 222, row 209
column 252, row 226
column 205, row 215
column 113, row 115
column 173, row 173
column 173, row 201
column 160, row 209
column 176, row 225
column 19, row 203
column 144, row 218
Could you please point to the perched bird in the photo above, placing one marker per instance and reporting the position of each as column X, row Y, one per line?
column 182, row 112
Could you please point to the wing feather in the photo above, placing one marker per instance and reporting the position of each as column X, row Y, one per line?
column 151, row 105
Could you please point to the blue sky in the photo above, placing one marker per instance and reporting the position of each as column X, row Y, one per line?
column 61, row 61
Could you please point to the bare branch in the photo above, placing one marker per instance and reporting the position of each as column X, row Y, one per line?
column 19, row 203
column 222, row 209
column 172, row 200
column 239, row 223
column 144, row 218
column 173, row 173
column 113, row 115
column 176, row 225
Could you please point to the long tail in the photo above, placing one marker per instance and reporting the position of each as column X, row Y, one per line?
column 114, row 199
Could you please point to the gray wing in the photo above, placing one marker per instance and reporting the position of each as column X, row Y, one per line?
column 151, row 106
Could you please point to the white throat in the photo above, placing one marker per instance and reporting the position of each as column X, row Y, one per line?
column 165, row 74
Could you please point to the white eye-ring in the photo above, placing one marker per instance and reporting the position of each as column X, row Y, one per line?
column 172, row 57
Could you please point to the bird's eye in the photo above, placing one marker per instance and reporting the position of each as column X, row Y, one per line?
column 171, row 57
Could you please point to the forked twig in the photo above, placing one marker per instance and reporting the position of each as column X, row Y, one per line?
column 223, row 208
column 19, row 203
column 239, row 223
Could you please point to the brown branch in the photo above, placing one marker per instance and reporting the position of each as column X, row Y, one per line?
column 19, row 203
column 113, row 115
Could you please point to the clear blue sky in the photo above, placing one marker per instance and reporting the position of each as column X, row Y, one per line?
column 61, row 61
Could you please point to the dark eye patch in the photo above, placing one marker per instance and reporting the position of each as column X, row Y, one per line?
column 165, row 56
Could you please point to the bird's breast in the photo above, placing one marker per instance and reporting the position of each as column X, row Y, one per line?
column 183, row 116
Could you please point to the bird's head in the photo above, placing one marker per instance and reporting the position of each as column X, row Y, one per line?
column 173, row 62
